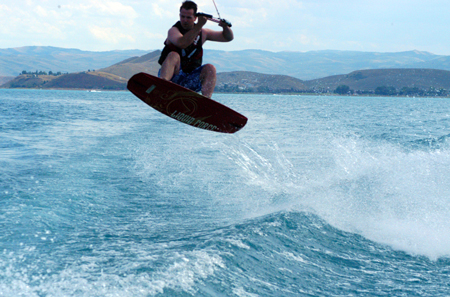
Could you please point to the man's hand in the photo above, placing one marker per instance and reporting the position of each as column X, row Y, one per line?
column 201, row 21
column 224, row 23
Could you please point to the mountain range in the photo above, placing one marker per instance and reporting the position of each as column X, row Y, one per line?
column 47, row 58
column 248, row 70
column 301, row 65
column 319, row 64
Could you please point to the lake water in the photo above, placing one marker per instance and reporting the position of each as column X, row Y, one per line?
column 317, row 196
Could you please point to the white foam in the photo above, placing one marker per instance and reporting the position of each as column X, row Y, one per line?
column 389, row 195
column 84, row 280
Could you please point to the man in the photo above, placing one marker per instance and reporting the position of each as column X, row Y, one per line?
column 181, row 58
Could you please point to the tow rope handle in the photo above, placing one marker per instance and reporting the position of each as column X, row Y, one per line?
column 213, row 19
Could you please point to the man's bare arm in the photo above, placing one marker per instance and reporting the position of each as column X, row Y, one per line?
column 225, row 35
column 183, row 41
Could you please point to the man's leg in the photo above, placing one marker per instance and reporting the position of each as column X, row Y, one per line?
column 208, row 79
column 170, row 66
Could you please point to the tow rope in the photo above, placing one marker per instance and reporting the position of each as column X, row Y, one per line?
column 213, row 19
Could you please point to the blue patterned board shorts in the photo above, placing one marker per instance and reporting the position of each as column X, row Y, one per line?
column 190, row 80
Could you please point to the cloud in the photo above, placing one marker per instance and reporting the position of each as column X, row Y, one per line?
column 99, row 8
column 388, row 25
column 161, row 11
column 110, row 35
column 75, row 24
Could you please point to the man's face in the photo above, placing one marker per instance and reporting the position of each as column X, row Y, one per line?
column 187, row 18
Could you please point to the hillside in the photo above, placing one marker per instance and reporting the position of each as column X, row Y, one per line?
column 5, row 79
column 250, row 81
column 244, row 81
column 88, row 80
column 28, row 81
column 46, row 58
column 147, row 63
column 369, row 80
column 116, row 76
column 436, row 63
column 80, row 80
column 301, row 65
column 319, row 64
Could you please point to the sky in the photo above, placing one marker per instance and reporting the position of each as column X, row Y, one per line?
column 281, row 25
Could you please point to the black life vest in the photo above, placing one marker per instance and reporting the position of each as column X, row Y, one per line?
column 191, row 57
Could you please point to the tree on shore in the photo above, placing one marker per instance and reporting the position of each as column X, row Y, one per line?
column 386, row 91
column 37, row 72
column 342, row 90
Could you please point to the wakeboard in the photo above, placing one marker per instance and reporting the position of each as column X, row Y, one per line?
column 185, row 105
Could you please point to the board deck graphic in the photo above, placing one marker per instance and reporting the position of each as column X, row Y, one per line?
column 185, row 105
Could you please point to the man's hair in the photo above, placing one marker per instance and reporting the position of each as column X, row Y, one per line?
column 189, row 5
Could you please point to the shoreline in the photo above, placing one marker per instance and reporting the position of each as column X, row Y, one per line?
column 241, row 93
